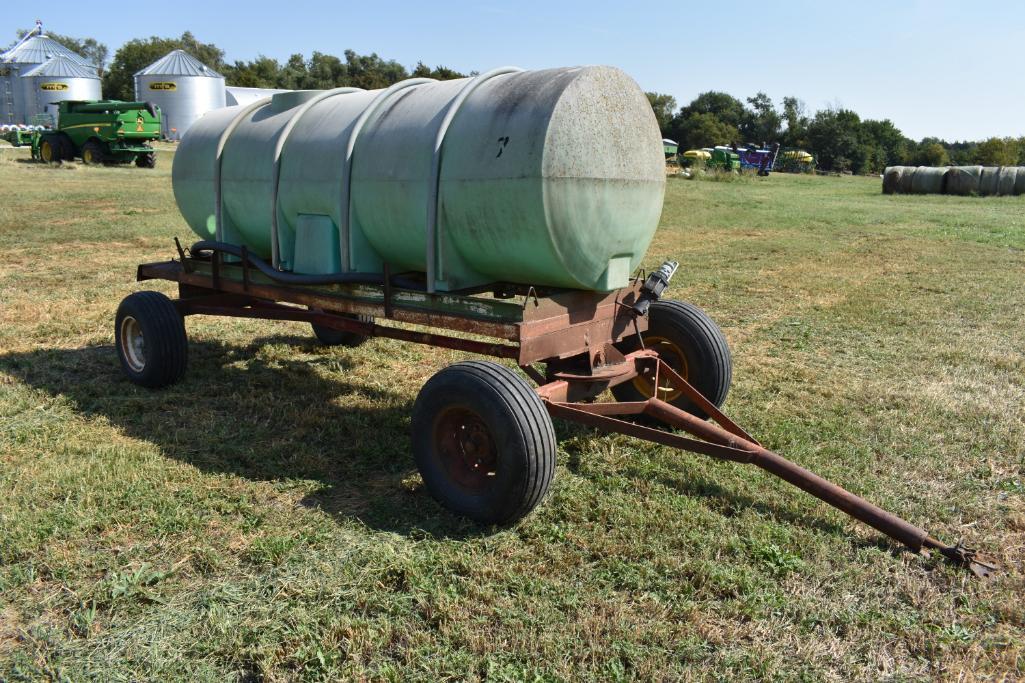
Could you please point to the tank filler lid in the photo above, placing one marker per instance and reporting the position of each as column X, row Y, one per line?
column 178, row 63
column 62, row 67
column 38, row 49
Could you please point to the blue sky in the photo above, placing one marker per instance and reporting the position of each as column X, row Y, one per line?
column 950, row 69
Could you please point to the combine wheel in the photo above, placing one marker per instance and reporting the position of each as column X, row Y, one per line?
column 150, row 337
column 483, row 442
column 50, row 151
column 148, row 160
column 331, row 337
column 691, row 344
column 92, row 153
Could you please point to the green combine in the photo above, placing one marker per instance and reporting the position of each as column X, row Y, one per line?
column 101, row 132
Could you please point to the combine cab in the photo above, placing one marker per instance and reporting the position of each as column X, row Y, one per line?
column 101, row 132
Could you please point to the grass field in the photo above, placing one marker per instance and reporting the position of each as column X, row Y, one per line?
column 262, row 520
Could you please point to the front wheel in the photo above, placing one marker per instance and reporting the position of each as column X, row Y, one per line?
column 483, row 442
column 149, row 334
column 691, row 344
column 50, row 151
column 92, row 153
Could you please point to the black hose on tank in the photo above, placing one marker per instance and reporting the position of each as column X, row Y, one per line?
column 299, row 279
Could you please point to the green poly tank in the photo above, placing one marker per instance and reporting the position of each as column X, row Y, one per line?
column 545, row 178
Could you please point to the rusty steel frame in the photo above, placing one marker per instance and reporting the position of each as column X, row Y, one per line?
column 726, row 441
column 552, row 325
column 579, row 326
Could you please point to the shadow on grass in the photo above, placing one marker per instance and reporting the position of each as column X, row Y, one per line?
column 250, row 412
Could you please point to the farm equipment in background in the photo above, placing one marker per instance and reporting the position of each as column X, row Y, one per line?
column 723, row 159
column 670, row 148
column 761, row 159
column 101, row 132
column 793, row 160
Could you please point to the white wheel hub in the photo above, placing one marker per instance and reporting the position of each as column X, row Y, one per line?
column 133, row 344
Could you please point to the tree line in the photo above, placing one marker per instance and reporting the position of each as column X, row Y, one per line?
column 320, row 71
column 839, row 138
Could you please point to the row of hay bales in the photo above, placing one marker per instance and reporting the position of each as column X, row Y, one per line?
column 962, row 180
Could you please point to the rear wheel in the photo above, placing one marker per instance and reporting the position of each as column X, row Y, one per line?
column 691, row 344
column 483, row 442
column 149, row 334
column 148, row 160
column 332, row 337
column 92, row 153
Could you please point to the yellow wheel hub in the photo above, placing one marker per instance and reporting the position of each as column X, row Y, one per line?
column 674, row 358
column 46, row 151
column 88, row 157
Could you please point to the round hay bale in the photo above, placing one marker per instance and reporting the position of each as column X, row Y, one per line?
column 907, row 175
column 1006, row 180
column 929, row 180
column 988, row 182
column 964, row 180
column 891, row 178
column 1019, row 182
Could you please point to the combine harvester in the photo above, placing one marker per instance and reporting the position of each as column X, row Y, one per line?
column 101, row 132
column 513, row 206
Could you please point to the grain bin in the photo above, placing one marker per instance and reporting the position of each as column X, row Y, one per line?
column 34, row 49
column 59, row 79
column 929, row 180
column 551, row 177
column 183, row 87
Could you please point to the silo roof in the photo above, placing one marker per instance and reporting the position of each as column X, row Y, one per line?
column 178, row 63
column 39, row 49
column 62, row 67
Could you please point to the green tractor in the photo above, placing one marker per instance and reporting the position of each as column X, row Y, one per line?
column 101, row 132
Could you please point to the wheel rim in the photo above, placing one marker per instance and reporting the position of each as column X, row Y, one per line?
column 88, row 156
column 673, row 356
column 466, row 448
column 46, row 151
column 133, row 344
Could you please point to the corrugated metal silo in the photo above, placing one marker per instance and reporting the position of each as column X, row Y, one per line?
column 183, row 87
column 59, row 79
column 34, row 49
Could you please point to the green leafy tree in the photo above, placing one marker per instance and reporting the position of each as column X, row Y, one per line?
column 119, row 80
column 664, row 107
column 930, row 152
column 997, row 152
column 796, row 133
column 706, row 130
column 370, row 72
column 887, row 145
column 441, row 73
column 763, row 123
column 835, row 138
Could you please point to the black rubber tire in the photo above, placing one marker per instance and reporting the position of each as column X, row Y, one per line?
column 703, row 345
column 166, row 346
column 93, row 153
column 67, row 147
column 518, row 425
column 146, row 160
column 50, row 146
column 332, row 337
